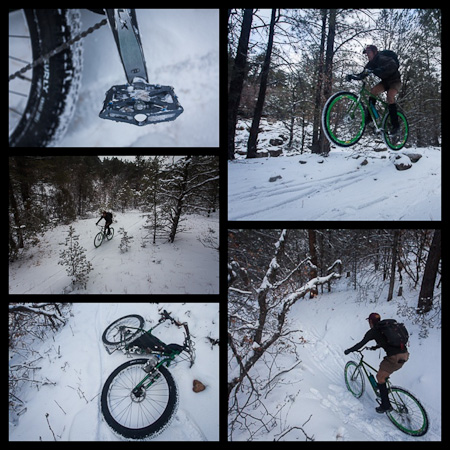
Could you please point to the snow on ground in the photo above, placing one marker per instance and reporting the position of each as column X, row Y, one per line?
column 184, row 267
column 329, row 324
column 355, row 183
column 338, row 187
column 77, row 362
column 181, row 49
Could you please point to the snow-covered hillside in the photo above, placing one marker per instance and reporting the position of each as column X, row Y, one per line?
column 356, row 183
column 342, row 186
column 315, row 389
column 188, row 266
column 181, row 49
column 77, row 365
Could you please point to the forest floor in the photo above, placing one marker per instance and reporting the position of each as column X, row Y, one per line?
column 187, row 266
column 355, row 183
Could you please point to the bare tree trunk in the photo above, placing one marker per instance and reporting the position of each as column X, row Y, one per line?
column 237, row 79
column 429, row 277
column 253, row 138
column 393, row 265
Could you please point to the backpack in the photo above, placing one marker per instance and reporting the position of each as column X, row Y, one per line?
column 395, row 333
column 391, row 54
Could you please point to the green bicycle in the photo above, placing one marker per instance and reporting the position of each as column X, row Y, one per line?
column 408, row 415
column 345, row 116
column 101, row 235
column 140, row 397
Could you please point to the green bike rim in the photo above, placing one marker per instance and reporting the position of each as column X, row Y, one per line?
column 404, row 138
column 338, row 141
column 419, row 432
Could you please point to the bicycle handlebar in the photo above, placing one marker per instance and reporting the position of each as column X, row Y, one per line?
column 367, row 348
column 166, row 316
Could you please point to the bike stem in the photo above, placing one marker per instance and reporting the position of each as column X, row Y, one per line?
column 125, row 30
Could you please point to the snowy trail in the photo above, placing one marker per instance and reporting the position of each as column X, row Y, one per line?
column 311, row 388
column 186, row 266
column 338, row 187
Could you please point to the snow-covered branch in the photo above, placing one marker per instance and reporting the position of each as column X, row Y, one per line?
column 311, row 284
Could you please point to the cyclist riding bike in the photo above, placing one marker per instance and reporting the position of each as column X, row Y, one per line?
column 383, row 65
column 108, row 221
column 393, row 361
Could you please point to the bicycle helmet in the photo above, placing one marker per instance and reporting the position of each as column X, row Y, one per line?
column 374, row 318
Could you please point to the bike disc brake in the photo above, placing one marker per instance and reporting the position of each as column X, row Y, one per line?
column 140, row 104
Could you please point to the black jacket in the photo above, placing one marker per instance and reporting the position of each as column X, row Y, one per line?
column 374, row 334
column 384, row 68
column 108, row 218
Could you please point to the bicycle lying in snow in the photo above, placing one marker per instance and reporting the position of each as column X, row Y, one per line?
column 140, row 397
column 407, row 414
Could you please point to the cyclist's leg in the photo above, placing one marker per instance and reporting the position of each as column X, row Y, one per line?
column 391, row 93
column 378, row 89
column 382, row 375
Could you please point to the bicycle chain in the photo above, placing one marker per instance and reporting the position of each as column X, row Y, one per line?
column 42, row 59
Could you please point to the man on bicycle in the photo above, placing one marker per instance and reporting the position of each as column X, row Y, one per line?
column 385, row 68
column 394, row 359
column 108, row 220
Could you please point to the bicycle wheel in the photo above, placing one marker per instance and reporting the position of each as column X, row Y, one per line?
column 408, row 414
column 42, row 101
column 111, row 234
column 98, row 239
column 354, row 379
column 139, row 413
column 343, row 119
column 398, row 142
column 123, row 330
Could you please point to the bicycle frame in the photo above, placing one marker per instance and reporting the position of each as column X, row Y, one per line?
column 363, row 98
column 363, row 364
column 165, row 353
column 102, row 228
column 395, row 399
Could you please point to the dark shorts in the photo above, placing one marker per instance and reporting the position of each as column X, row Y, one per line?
column 392, row 363
column 391, row 85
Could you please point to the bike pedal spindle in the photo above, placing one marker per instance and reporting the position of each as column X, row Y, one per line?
column 141, row 104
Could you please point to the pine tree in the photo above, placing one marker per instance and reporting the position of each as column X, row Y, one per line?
column 125, row 241
column 78, row 267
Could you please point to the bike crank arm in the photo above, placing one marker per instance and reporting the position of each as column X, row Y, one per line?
column 125, row 30
column 139, row 102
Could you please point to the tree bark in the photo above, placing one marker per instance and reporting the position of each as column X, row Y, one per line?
column 237, row 79
column 429, row 277
column 253, row 138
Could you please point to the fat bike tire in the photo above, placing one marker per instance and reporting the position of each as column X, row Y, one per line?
column 343, row 119
column 111, row 234
column 98, row 239
column 143, row 416
column 400, row 141
column 354, row 379
column 408, row 414
column 123, row 330
column 54, row 84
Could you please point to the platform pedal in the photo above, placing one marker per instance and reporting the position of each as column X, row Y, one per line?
column 141, row 104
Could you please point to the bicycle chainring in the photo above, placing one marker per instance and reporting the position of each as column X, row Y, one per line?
column 141, row 104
